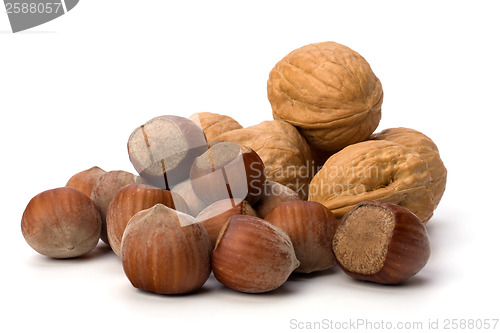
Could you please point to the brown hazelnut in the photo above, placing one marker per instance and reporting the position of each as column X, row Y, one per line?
column 273, row 195
column 381, row 242
column 165, row 251
column 310, row 226
column 215, row 216
column 252, row 255
column 61, row 223
column 84, row 181
column 130, row 200
column 105, row 189
column 163, row 149
column 185, row 190
column 228, row 170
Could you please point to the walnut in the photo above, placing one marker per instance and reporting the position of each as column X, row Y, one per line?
column 214, row 124
column 376, row 170
column 425, row 147
column 283, row 150
column 327, row 91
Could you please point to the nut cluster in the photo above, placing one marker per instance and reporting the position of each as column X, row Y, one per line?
column 311, row 189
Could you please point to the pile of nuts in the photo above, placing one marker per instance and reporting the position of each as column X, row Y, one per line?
column 298, row 194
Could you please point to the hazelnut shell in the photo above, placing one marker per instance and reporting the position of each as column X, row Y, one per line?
column 381, row 242
column 61, row 223
column 252, row 255
column 130, row 200
column 215, row 216
column 310, row 226
column 165, row 251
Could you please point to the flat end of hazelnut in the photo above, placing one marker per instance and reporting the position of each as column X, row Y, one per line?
column 362, row 241
column 381, row 242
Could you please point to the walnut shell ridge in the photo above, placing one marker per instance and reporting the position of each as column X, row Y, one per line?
column 426, row 148
column 379, row 170
column 214, row 124
column 327, row 91
column 285, row 153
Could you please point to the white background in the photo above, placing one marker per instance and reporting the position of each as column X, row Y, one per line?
column 72, row 90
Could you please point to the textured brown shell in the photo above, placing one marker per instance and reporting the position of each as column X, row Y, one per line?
column 132, row 199
column 215, row 216
column 105, row 189
column 310, row 226
column 426, row 148
column 253, row 256
column 214, row 124
column 283, row 150
column 165, row 251
column 329, row 92
column 84, row 181
column 407, row 251
column 374, row 170
column 61, row 223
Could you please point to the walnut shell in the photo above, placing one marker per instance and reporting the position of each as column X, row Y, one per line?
column 327, row 91
column 285, row 153
column 214, row 124
column 426, row 148
column 381, row 171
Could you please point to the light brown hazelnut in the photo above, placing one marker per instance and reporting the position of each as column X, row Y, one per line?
column 185, row 190
column 252, row 255
column 165, row 251
column 164, row 148
column 329, row 92
column 84, row 181
column 310, row 226
column 381, row 242
column 61, row 223
column 228, row 170
column 105, row 189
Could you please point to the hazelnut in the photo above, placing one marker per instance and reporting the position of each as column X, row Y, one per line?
column 84, row 181
column 381, row 242
column 214, row 124
column 130, row 200
column 105, row 189
column 310, row 226
column 61, row 223
column 228, row 170
column 165, row 251
column 185, row 190
column 273, row 195
column 252, row 255
column 215, row 216
column 163, row 149
column 329, row 92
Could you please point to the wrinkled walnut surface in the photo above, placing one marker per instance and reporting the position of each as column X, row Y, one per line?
column 374, row 170
column 214, row 124
column 426, row 148
column 327, row 91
